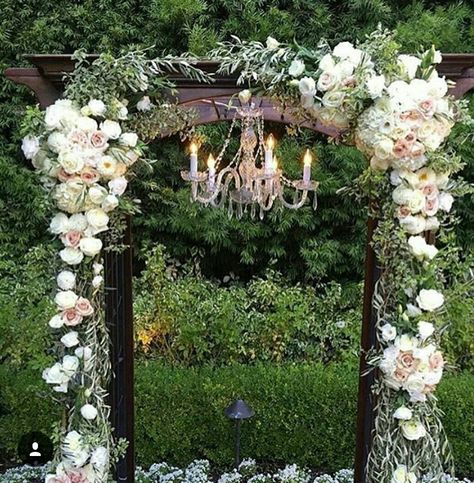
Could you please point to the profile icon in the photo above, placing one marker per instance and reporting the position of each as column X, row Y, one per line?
column 35, row 448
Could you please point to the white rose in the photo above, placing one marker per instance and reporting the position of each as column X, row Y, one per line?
column 412, row 310
column 66, row 280
column 111, row 129
column 100, row 457
column 375, row 86
column 272, row 43
column 403, row 413
column 107, row 166
column 395, row 178
column 406, row 343
column 402, row 195
column 58, row 142
column 129, row 139
column 437, row 87
column 410, row 64
column 89, row 412
column 55, row 374
column 86, row 124
column 98, row 268
column 71, row 256
column 96, row 107
column 56, row 322
column 380, row 164
column 425, row 329
column 384, row 148
column 97, row 194
column 389, row 332
column 333, row 99
column 343, row 69
column 343, row 50
column 430, row 300
column 70, row 365
column 30, row 146
column 307, row 86
column 65, row 299
column 413, row 430
column 97, row 281
column 421, row 249
column 327, row 63
column 70, row 339
column 431, row 223
column 296, row 68
column 90, row 246
column 71, row 161
column 118, row 186
column 398, row 89
column 77, row 222
column 413, row 224
column 110, row 203
column 401, row 475
column 445, row 202
column 83, row 352
column 144, row 104
column 98, row 221
column 326, row 81
column 59, row 224
column 245, row 96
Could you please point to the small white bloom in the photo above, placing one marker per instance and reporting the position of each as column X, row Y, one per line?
column 98, row 268
column 129, row 139
column 107, row 166
column 55, row 374
column 406, row 342
column 65, row 299
column 97, row 194
column 144, row 104
column 70, row 365
column 77, row 222
column 413, row 430
column 421, row 249
column 30, row 146
column 56, row 322
column 100, row 457
column 58, row 142
column 96, row 107
column 66, row 280
column 59, row 224
column 111, row 129
column 86, row 124
column 375, row 86
column 110, row 203
column 431, row 223
column 98, row 220
column 412, row 310
column 437, row 59
column 89, row 412
column 410, row 64
column 71, row 256
column 430, row 300
column 97, row 281
column 118, row 186
column 389, row 332
column 71, row 161
column 272, row 44
column 70, row 339
column 90, row 246
column 413, row 224
column 403, row 413
column 307, row 86
column 296, row 68
column 343, row 50
column 446, row 201
column 425, row 329
column 327, row 63
column 401, row 475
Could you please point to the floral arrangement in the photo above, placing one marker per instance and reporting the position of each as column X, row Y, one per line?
column 199, row 471
column 394, row 108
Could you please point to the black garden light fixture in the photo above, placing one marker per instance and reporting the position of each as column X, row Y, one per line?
column 238, row 411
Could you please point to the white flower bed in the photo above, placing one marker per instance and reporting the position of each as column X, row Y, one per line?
column 199, row 472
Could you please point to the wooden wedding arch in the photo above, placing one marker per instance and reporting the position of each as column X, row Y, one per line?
column 46, row 79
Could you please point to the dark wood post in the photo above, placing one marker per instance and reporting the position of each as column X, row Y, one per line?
column 119, row 318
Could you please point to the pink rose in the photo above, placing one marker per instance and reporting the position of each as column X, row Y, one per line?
column 78, row 476
column 84, row 307
column 90, row 175
column 72, row 238
column 60, row 479
column 430, row 191
column 401, row 148
column 71, row 317
column 401, row 375
column 436, row 361
column 431, row 206
column 406, row 361
column 403, row 212
column 427, row 107
column 79, row 137
column 63, row 176
column 98, row 140
column 412, row 115
column 417, row 150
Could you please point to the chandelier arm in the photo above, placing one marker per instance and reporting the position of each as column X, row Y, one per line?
column 230, row 174
column 294, row 206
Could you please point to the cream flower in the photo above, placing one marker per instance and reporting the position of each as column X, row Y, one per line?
column 272, row 44
column 98, row 221
column 65, row 299
column 445, row 202
column 107, row 166
column 71, row 256
column 425, row 329
column 401, row 475
column 129, row 139
column 413, row 430
column 327, row 63
column 403, row 413
column 56, row 322
column 71, row 161
column 59, row 224
column 389, row 332
column 70, row 339
column 97, row 194
column 88, row 412
column 297, row 67
column 96, row 107
column 307, row 86
column 110, row 203
column 85, row 123
column 413, row 224
column 430, row 300
column 245, row 96
column 111, row 129
column 77, row 222
column 144, row 104
column 66, row 280
column 118, row 186
column 30, row 146
column 90, row 246
column 421, row 249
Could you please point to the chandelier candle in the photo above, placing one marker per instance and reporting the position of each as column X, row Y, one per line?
column 194, row 159
column 269, row 154
column 307, row 167
column 211, row 164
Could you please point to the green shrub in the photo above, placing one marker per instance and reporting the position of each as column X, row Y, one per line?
column 304, row 414
column 193, row 321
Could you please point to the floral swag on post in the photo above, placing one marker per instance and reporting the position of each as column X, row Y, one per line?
column 394, row 108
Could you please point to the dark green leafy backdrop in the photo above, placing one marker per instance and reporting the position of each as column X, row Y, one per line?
column 299, row 247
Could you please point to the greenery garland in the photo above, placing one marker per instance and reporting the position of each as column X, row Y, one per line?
column 394, row 108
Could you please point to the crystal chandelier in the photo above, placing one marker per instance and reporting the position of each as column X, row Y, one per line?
column 252, row 179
